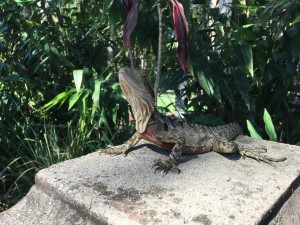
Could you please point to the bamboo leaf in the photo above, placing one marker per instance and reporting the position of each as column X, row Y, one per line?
column 73, row 99
column 58, row 99
column 78, row 77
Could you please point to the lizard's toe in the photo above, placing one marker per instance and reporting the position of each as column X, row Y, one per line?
column 165, row 166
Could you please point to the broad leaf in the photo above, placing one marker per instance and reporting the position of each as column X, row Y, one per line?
column 252, row 131
column 269, row 126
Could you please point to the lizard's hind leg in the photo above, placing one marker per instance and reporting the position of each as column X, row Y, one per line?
column 244, row 152
column 221, row 145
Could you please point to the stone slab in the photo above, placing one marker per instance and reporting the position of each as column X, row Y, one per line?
column 211, row 189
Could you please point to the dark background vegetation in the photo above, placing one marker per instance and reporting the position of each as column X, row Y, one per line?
column 244, row 66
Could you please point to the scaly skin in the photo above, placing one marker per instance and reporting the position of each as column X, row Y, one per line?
column 178, row 137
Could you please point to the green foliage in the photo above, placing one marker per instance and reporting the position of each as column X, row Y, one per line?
column 269, row 127
column 41, row 44
column 37, row 147
column 245, row 62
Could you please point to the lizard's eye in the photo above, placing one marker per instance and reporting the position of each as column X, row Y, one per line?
column 144, row 77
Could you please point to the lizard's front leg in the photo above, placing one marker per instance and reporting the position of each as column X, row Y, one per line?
column 171, row 164
column 119, row 149
column 221, row 145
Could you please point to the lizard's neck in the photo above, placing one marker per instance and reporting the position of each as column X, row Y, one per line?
column 138, row 96
column 142, row 110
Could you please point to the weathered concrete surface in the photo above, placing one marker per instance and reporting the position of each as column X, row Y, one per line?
column 211, row 189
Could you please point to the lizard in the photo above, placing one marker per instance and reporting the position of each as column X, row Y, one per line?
column 176, row 136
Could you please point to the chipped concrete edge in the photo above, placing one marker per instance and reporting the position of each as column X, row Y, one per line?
column 280, row 207
column 52, row 192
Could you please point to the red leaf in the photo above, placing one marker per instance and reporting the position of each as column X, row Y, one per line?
column 131, row 21
column 181, row 31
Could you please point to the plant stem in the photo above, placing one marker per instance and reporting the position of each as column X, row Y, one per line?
column 157, row 81
column 131, row 57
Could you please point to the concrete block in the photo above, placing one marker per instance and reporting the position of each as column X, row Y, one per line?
column 212, row 189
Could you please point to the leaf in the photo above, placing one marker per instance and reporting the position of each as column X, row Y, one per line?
column 244, row 32
column 115, row 116
column 21, row 2
column 13, row 78
column 248, row 57
column 252, row 131
column 78, row 75
column 96, row 94
column 130, row 23
column 243, row 86
column 97, row 90
column 224, row 89
column 73, row 99
column 52, row 51
column 269, row 126
column 86, row 95
column 181, row 30
column 207, row 84
column 297, row 20
column 60, row 98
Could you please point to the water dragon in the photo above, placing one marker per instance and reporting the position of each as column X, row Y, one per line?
column 171, row 134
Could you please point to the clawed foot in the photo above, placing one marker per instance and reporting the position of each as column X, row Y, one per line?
column 114, row 150
column 261, row 158
column 165, row 166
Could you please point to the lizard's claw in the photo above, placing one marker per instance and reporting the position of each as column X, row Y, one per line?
column 166, row 166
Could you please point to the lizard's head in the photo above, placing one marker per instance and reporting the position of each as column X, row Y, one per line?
column 139, row 94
